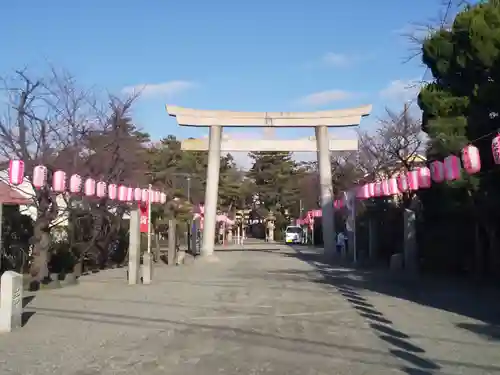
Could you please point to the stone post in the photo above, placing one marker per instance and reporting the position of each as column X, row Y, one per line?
column 194, row 237
column 372, row 240
column 410, row 242
column 1, row 242
column 11, row 301
column 172, row 242
column 134, row 248
column 147, row 268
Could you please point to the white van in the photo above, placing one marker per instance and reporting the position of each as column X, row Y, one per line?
column 293, row 234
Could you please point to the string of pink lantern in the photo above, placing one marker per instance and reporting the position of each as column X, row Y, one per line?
column 75, row 184
column 449, row 169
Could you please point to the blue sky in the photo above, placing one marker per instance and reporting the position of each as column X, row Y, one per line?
column 241, row 55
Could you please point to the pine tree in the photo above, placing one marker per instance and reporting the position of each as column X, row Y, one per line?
column 461, row 106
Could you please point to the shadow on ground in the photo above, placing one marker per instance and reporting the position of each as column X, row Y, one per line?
column 411, row 354
column 478, row 302
column 459, row 298
column 26, row 315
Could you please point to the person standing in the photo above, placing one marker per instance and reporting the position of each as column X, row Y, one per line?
column 341, row 243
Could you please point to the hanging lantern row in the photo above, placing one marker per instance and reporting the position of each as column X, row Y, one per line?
column 421, row 178
column 77, row 185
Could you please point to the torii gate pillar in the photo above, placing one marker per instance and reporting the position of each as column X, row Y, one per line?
column 212, row 190
column 326, row 189
column 321, row 120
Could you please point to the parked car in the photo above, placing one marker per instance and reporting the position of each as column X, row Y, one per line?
column 293, row 234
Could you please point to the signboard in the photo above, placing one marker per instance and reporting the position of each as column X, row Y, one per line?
column 143, row 210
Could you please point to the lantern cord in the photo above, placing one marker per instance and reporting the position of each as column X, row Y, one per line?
column 497, row 131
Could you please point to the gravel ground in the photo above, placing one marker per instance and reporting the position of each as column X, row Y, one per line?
column 269, row 309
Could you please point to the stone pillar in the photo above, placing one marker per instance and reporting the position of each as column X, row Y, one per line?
column 1, row 242
column 325, row 180
column 11, row 301
column 372, row 240
column 172, row 242
column 134, row 248
column 194, row 237
column 410, row 242
column 270, row 231
column 212, row 190
column 147, row 268
column 157, row 252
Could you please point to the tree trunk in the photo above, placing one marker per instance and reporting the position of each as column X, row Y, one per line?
column 47, row 212
column 39, row 265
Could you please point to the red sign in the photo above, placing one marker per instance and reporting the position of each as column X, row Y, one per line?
column 143, row 209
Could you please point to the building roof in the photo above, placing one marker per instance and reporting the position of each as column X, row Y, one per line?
column 8, row 195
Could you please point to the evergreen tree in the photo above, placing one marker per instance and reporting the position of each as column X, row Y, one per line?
column 459, row 107
column 276, row 177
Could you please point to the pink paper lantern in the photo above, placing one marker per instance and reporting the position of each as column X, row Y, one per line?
column 153, row 196
column 317, row 213
column 403, row 182
column 101, row 189
column 89, row 187
column 371, row 189
column 39, row 176
column 471, row 159
column 424, row 177
column 157, row 196
column 385, row 188
column 451, row 168
column 413, row 180
column 75, row 184
column 122, row 193
column 137, row 194
column 163, row 198
column 363, row 192
column 378, row 189
column 393, row 186
column 16, row 172
column 145, row 195
column 130, row 194
column 437, row 171
column 59, row 181
column 112, row 191
column 495, row 149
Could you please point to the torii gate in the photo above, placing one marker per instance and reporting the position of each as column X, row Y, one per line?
column 320, row 121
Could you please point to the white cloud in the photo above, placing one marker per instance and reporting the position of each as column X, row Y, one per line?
column 401, row 90
column 337, row 59
column 169, row 88
column 324, row 97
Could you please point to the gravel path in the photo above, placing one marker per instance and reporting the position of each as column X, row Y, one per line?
column 264, row 311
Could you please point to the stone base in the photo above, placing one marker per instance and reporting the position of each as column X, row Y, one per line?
column 396, row 262
column 207, row 259
column 70, row 279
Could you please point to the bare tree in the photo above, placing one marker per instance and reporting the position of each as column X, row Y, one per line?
column 50, row 121
column 394, row 145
